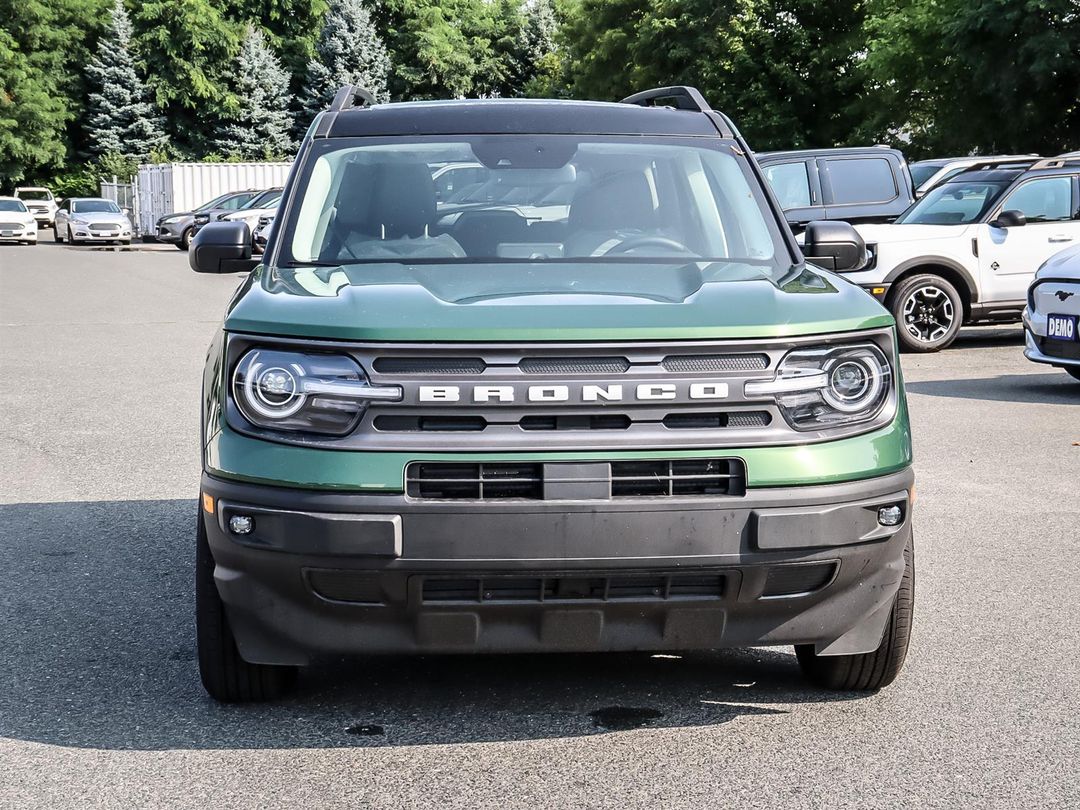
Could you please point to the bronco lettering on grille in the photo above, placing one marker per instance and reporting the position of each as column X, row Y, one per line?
column 580, row 392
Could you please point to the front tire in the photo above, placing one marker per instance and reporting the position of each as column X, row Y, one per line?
column 185, row 239
column 71, row 237
column 56, row 236
column 929, row 313
column 875, row 670
column 225, row 675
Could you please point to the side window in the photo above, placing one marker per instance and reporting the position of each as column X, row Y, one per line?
column 860, row 180
column 1046, row 200
column 234, row 202
column 790, row 183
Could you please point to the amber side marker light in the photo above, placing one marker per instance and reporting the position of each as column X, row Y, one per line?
column 878, row 290
column 208, row 503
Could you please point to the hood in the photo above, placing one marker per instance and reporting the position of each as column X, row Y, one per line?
column 250, row 213
column 1065, row 264
column 880, row 234
column 565, row 302
column 101, row 216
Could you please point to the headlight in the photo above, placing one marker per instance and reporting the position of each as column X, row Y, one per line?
column 829, row 386
column 169, row 220
column 314, row 393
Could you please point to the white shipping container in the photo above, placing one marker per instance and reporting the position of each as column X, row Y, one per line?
column 164, row 188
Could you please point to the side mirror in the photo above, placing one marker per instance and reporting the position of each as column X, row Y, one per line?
column 834, row 246
column 221, row 247
column 1009, row 219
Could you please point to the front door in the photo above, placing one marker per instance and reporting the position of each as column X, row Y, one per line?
column 1009, row 257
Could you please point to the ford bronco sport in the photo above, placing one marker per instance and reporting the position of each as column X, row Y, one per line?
column 590, row 398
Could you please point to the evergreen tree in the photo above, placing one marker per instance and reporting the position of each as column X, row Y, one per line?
column 348, row 51
column 258, row 126
column 121, row 119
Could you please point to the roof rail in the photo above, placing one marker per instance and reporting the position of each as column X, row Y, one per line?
column 685, row 98
column 1056, row 162
column 348, row 95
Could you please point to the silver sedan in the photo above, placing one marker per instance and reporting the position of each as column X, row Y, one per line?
column 91, row 219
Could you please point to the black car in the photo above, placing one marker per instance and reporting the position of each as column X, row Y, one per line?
column 857, row 184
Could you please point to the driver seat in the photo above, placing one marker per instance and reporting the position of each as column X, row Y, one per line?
column 616, row 208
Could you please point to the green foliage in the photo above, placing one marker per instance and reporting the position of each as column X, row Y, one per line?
column 187, row 49
column 120, row 117
column 349, row 51
column 258, row 126
column 785, row 70
column 985, row 75
column 291, row 26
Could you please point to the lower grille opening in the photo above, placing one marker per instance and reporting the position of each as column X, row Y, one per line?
column 789, row 580
column 575, row 588
column 501, row 480
column 1065, row 349
column 690, row 477
column 475, row 481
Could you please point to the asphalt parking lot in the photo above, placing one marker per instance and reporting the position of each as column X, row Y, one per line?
column 101, row 352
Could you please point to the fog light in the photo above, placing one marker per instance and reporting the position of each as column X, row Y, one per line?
column 886, row 515
column 241, row 524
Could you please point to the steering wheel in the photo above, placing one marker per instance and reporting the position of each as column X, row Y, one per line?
column 647, row 241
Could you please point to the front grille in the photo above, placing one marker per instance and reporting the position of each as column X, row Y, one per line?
column 11, row 226
column 627, row 479
column 712, row 421
column 104, row 226
column 716, row 362
column 790, row 580
column 1066, row 350
column 574, row 588
column 597, row 421
column 429, row 365
column 574, row 365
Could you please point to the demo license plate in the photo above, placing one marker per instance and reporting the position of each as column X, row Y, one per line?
column 1061, row 327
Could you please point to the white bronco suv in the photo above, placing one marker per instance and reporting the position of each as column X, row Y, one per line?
column 967, row 251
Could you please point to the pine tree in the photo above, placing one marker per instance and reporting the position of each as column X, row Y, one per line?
column 121, row 119
column 258, row 127
column 348, row 51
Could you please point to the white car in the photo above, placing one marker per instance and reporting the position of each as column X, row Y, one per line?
column 967, row 251
column 252, row 216
column 91, row 219
column 928, row 173
column 17, row 224
column 1052, row 315
column 40, row 202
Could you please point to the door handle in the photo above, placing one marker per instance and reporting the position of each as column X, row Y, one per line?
column 1060, row 238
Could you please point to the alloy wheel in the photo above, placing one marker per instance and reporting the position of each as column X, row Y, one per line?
column 928, row 313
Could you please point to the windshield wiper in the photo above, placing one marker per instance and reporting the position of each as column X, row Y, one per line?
column 313, row 263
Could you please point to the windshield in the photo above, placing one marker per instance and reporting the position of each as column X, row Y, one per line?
column 532, row 199
column 12, row 205
column 958, row 202
column 33, row 194
column 921, row 172
column 95, row 207
column 217, row 201
column 263, row 199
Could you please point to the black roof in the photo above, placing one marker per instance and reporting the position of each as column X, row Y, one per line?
column 831, row 152
column 508, row 116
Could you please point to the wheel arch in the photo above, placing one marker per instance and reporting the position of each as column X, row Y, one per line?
column 950, row 270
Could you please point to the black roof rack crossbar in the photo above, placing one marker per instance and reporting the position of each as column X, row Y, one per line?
column 685, row 98
column 348, row 96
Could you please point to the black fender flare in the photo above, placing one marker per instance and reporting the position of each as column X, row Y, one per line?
column 904, row 268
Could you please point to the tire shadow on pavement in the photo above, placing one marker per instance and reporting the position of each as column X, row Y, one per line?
column 1055, row 388
column 97, row 651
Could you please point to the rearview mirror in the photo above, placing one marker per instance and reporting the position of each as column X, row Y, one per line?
column 221, row 247
column 834, row 246
column 1009, row 219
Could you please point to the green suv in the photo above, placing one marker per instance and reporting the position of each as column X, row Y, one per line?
column 583, row 393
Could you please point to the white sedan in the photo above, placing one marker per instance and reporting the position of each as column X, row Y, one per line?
column 17, row 223
column 1052, row 315
column 91, row 219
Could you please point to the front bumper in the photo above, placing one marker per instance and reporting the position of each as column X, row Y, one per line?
column 172, row 232
column 84, row 235
column 351, row 573
column 1039, row 349
column 19, row 235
